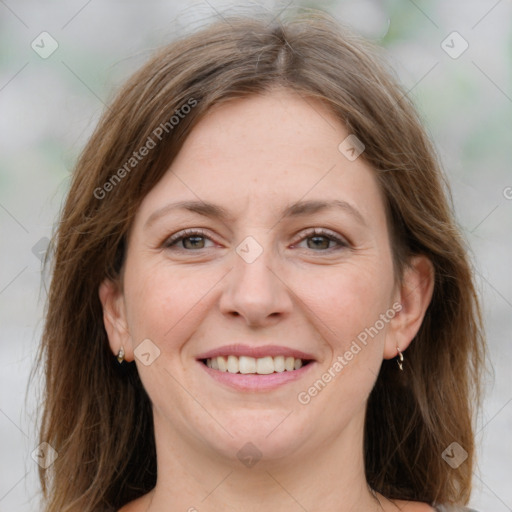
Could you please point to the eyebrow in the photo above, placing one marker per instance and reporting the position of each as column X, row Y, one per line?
column 297, row 209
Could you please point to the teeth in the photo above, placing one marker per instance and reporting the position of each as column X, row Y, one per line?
column 279, row 364
column 260, row 365
column 246, row 364
column 265, row 365
column 232, row 364
column 222, row 364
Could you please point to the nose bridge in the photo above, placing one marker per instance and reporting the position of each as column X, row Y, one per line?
column 254, row 291
column 253, row 263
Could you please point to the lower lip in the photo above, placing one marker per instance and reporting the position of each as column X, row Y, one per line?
column 254, row 382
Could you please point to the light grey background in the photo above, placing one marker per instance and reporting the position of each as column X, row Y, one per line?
column 49, row 107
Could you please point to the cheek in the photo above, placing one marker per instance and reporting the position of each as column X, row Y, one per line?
column 347, row 305
column 347, row 299
column 163, row 303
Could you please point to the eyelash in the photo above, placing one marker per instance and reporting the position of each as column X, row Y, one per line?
column 188, row 233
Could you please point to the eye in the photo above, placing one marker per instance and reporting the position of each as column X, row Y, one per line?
column 321, row 238
column 189, row 238
column 194, row 239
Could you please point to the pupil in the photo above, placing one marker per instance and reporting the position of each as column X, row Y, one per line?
column 195, row 240
column 325, row 240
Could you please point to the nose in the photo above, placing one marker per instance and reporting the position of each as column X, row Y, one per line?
column 256, row 291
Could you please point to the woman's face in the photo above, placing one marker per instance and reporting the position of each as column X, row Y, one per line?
column 259, row 285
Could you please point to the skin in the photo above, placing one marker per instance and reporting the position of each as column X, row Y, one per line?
column 254, row 157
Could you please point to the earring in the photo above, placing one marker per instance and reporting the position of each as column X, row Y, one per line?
column 400, row 359
column 120, row 355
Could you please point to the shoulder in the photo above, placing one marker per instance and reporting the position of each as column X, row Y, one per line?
column 139, row 505
column 417, row 506
column 413, row 506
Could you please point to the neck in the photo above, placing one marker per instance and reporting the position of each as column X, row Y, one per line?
column 331, row 478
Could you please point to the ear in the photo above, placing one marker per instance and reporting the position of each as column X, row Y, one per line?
column 114, row 318
column 414, row 295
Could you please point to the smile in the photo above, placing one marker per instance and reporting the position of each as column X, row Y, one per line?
column 249, row 368
column 252, row 365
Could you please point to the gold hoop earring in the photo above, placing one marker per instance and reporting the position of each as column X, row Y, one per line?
column 120, row 355
column 400, row 359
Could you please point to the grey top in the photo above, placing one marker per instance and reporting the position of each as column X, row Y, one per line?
column 449, row 508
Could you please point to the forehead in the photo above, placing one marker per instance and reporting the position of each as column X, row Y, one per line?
column 262, row 152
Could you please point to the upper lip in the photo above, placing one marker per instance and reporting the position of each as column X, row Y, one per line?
column 256, row 352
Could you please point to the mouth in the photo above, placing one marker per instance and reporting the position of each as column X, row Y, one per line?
column 246, row 368
column 247, row 365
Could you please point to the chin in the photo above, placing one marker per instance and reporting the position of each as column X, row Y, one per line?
column 268, row 435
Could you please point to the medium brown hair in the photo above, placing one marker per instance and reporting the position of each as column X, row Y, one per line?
column 97, row 414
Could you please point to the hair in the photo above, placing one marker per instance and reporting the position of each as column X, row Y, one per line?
column 97, row 415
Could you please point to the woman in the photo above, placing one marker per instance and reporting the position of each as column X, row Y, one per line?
column 260, row 298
